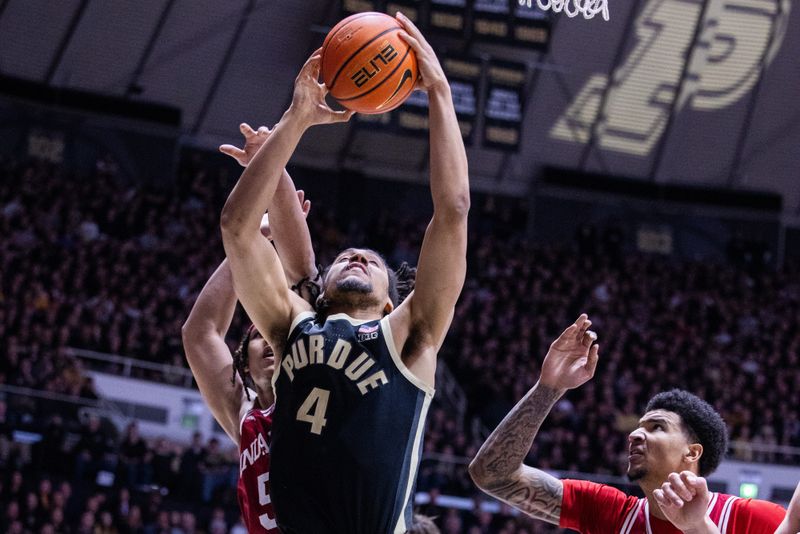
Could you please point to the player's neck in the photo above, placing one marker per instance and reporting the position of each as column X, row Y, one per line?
column 358, row 313
column 648, row 488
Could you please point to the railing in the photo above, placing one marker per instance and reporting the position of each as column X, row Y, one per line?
column 124, row 366
column 449, row 391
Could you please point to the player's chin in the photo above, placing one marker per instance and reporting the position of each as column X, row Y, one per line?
column 636, row 473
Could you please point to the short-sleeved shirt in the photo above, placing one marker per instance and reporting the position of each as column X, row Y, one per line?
column 254, row 459
column 592, row 508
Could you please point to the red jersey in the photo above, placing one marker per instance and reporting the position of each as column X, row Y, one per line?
column 253, row 488
column 592, row 508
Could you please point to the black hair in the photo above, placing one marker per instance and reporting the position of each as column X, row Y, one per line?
column 241, row 364
column 701, row 423
column 401, row 284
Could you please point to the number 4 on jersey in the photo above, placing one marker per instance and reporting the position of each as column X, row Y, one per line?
column 313, row 409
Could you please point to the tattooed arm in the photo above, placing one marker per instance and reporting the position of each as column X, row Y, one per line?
column 498, row 469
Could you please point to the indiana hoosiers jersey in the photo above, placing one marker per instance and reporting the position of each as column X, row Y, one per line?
column 348, row 427
column 254, row 459
column 593, row 508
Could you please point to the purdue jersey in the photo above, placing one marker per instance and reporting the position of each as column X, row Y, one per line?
column 348, row 426
column 253, row 487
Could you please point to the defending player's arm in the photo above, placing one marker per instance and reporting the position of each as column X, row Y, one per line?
column 204, row 331
column 791, row 523
column 257, row 272
column 442, row 262
column 207, row 353
column 498, row 467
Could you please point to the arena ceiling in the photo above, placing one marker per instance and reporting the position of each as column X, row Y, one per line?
column 690, row 91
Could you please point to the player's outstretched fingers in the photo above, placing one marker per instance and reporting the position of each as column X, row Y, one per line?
column 591, row 361
column 589, row 337
column 246, row 130
column 679, row 487
column 232, row 151
column 689, row 480
column 698, row 483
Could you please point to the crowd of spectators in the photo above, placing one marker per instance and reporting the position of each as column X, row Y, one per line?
column 95, row 262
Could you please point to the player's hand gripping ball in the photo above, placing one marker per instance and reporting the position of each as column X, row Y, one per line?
column 365, row 64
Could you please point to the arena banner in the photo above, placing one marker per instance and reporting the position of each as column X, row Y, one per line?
column 350, row 7
column 464, row 74
column 530, row 27
column 447, row 17
column 491, row 20
column 503, row 111
column 412, row 116
column 410, row 8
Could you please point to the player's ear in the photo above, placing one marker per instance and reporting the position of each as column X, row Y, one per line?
column 694, row 452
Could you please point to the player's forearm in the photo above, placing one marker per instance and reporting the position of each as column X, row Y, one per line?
column 255, row 191
column 449, row 171
column 706, row 527
column 500, row 458
column 213, row 311
column 791, row 524
column 290, row 232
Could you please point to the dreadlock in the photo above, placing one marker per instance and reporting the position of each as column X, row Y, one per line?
column 240, row 362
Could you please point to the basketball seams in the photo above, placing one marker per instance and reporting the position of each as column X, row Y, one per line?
column 354, row 54
column 384, row 80
column 331, row 36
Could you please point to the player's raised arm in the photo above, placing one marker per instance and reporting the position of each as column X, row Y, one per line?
column 791, row 523
column 498, row 467
column 442, row 262
column 208, row 354
column 289, row 231
column 257, row 272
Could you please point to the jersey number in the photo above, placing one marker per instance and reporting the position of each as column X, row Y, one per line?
column 263, row 499
column 313, row 409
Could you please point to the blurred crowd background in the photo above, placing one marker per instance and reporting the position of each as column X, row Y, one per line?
column 96, row 262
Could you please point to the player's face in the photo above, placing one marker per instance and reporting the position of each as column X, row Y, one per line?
column 260, row 360
column 357, row 273
column 657, row 447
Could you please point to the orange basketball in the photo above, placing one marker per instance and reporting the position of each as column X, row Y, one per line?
column 365, row 64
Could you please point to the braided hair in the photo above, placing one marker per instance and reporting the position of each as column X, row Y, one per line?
column 240, row 362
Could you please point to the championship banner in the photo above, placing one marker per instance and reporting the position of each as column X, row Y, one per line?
column 464, row 75
column 350, row 7
column 504, row 105
column 491, row 20
column 530, row 27
column 448, row 17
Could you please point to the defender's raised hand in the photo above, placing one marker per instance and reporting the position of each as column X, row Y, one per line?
column 572, row 358
column 431, row 74
column 308, row 100
column 252, row 142
column 684, row 500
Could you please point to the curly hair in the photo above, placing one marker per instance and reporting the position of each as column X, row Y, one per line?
column 701, row 423
column 401, row 284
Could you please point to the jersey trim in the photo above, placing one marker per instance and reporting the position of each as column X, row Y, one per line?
column 345, row 317
column 626, row 526
column 726, row 514
column 265, row 412
column 299, row 318
column 422, row 415
column 398, row 361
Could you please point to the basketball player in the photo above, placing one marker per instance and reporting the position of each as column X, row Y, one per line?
column 247, row 421
column 680, row 440
column 355, row 379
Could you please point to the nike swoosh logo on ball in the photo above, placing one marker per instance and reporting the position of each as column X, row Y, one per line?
column 403, row 80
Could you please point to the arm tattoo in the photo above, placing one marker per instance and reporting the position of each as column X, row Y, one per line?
column 498, row 467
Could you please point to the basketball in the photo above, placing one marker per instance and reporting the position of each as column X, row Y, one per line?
column 365, row 64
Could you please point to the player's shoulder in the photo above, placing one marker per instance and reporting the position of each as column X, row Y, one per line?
column 585, row 493
column 597, row 508
column 256, row 418
column 747, row 514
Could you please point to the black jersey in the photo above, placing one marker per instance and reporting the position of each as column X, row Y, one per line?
column 348, row 427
